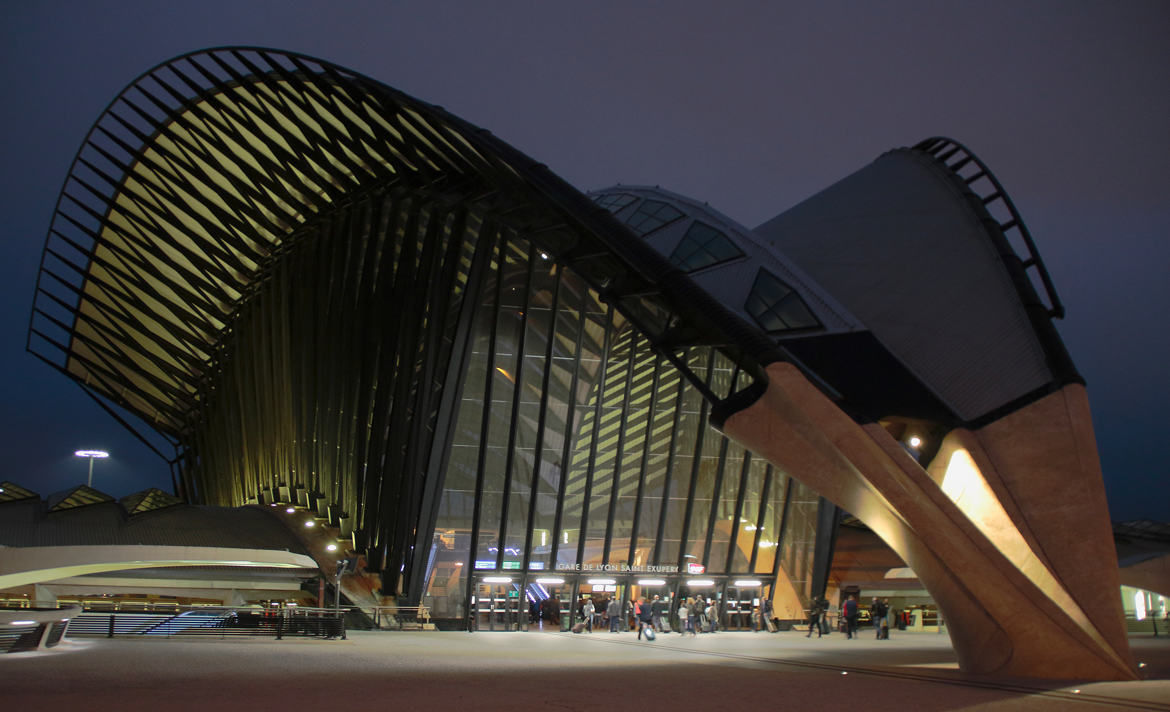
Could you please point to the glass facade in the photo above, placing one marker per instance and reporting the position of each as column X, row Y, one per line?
column 579, row 450
column 345, row 301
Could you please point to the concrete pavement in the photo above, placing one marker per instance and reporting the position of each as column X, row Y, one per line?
column 526, row 671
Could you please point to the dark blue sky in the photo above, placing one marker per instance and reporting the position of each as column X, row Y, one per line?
column 751, row 106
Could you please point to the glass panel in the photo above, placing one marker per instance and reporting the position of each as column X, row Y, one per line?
column 651, row 215
column 703, row 246
column 608, row 439
column 725, row 518
column 614, row 202
column 770, row 528
column 749, row 516
column 800, row 534
column 777, row 307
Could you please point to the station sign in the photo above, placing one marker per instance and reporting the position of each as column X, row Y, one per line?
column 620, row 568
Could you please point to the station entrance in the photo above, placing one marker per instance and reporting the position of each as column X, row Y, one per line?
column 497, row 604
column 556, row 603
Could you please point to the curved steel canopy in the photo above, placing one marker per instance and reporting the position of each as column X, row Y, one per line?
column 201, row 171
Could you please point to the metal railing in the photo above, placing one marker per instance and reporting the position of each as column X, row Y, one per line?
column 213, row 622
column 401, row 617
column 1158, row 626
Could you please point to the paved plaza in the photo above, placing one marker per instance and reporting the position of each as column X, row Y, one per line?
column 557, row 671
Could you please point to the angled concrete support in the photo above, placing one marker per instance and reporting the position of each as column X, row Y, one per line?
column 1007, row 527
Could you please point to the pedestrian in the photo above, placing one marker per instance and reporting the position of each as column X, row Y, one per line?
column 645, row 617
column 614, row 610
column 878, row 611
column 712, row 614
column 814, row 618
column 884, row 631
column 657, row 607
column 849, row 609
column 588, row 612
column 684, row 618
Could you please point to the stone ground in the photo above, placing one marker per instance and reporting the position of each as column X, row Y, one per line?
column 554, row 671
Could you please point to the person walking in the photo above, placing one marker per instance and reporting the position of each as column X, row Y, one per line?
column 850, row 612
column 814, row 618
column 712, row 614
column 657, row 608
column 614, row 611
column 645, row 616
column 588, row 613
column 878, row 612
column 684, row 618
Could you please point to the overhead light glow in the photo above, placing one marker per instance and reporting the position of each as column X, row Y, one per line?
column 310, row 523
column 915, row 441
column 550, row 581
column 331, row 547
column 601, row 582
column 497, row 579
column 700, row 582
column 21, row 622
column 91, row 453
column 290, row 510
column 651, row 582
column 747, row 583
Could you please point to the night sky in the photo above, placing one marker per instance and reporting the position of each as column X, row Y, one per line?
column 750, row 106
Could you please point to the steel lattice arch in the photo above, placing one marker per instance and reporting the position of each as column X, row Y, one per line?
column 300, row 285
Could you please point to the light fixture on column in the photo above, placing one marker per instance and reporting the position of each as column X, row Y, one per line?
column 91, row 454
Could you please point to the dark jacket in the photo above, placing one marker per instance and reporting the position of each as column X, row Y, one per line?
column 644, row 613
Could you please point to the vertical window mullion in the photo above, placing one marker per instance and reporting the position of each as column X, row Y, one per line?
column 780, row 531
column 538, row 453
column 517, row 387
column 603, row 368
column 619, row 455
column 695, row 466
column 667, row 480
column 635, row 525
column 570, row 416
column 485, row 425
column 735, row 526
column 764, row 492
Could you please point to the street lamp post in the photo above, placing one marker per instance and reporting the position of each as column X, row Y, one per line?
column 91, row 454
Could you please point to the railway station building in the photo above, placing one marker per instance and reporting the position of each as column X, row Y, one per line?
column 304, row 287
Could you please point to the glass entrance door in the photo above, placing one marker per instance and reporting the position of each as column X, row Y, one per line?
column 497, row 604
column 743, row 606
column 646, row 589
column 601, row 594
column 551, row 603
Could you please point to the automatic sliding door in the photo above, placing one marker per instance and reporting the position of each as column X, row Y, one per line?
column 497, row 605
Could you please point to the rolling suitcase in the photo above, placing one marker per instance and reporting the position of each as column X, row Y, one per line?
column 649, row 633
column 772, row 625
column 579, row 627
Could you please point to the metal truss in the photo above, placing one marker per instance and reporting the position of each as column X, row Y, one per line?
column 276, row 265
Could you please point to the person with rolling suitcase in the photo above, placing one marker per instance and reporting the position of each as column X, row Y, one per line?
column 645, row 619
